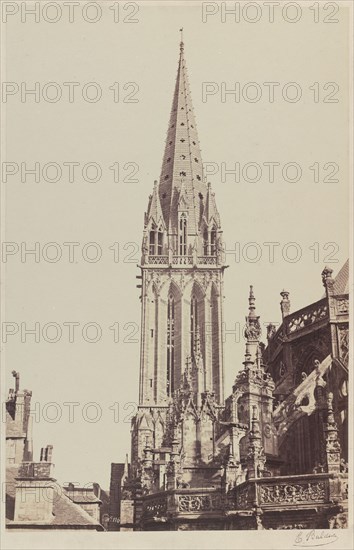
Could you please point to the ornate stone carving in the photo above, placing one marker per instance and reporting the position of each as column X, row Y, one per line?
column 342, row 306
column 327, row 277
column 332, row 442
column 243, row 498
column 256, row 458
column 199, row 503
column 343, row 334
column 306, row 317
column 157, row 260
column 253, row 330
column 338, row 521
column 285, row 303
column 271, row 330
column 292, row 493
column 155, row 507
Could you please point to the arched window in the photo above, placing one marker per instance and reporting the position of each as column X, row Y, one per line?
column 213, row 241
column 170, row 344
column 152, row 240
column 159, row 241
column 155, row 241
column 205, row 242
column 183, row 235
column 194, row 322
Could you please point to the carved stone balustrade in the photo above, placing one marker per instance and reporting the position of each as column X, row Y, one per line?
column 284, row 491
column 158, row 260
column 207, row 260
column 306, row 317
column 181, row 260
column 161, row 506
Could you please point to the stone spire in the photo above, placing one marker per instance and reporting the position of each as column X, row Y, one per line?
column 182, row 161
column 252, row 331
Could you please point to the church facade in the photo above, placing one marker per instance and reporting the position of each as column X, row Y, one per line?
column 273, row 453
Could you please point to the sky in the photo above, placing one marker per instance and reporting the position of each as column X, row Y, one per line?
column 85, row 391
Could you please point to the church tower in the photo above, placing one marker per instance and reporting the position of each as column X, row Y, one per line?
column 181, row 360
column 181, row 267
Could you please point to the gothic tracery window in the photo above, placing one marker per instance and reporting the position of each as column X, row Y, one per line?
column 213, row 241
column 155, row 241
column 183, row 235
column 209, row 241
column 205, row 242
column 194, row 322
column 152, row 240
column 159, row 241
column 170, row 344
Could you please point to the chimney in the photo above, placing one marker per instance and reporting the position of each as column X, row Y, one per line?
column 285, row 303
column 18, row 430
column 28, row 449
column 16, row 375
column 35, row 491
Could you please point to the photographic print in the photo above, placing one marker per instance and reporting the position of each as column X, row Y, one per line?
column 176, row 274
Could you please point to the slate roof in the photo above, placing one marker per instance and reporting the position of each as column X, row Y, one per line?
column 182, row 167
column 66, row 514
column 82, row 495
column 341, row 281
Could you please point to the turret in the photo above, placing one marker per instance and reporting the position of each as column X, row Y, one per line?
column 254, row 387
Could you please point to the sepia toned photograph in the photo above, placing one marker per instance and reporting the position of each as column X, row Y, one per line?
column 176, row 269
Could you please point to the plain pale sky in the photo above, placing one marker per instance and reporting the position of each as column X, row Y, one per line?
column 311, row 214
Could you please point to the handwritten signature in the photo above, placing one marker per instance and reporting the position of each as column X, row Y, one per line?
column 305, row 539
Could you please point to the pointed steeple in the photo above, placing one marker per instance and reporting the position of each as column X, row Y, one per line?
column 182, row 161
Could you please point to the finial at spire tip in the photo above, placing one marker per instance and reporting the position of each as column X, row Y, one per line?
column 181, row 44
